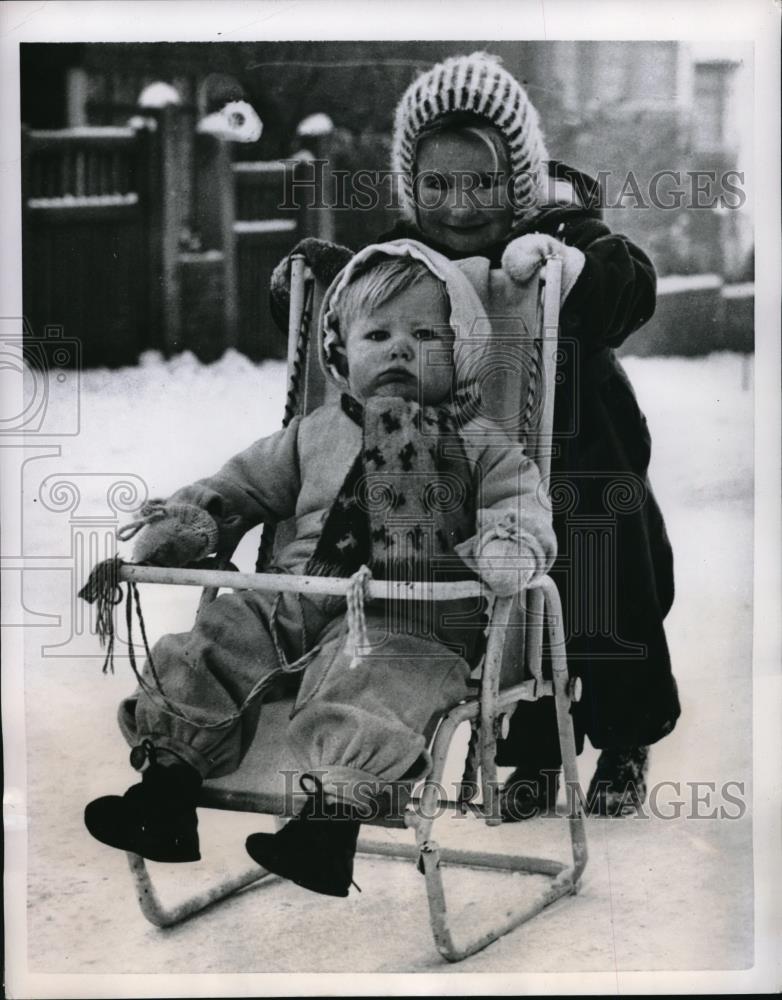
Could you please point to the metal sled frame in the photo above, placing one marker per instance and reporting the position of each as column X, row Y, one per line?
column 541, row 609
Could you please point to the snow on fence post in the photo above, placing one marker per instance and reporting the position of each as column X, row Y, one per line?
column 315, row 132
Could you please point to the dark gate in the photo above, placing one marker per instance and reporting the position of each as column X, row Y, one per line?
column 88, row 259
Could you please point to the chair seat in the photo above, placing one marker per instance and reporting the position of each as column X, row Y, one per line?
column 267, row 779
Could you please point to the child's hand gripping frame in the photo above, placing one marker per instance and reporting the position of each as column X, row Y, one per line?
column 537, row 609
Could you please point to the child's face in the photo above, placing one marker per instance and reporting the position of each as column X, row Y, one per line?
column 462, row 192
column 404, row 347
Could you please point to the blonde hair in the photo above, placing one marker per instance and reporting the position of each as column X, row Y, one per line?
column 381, row 280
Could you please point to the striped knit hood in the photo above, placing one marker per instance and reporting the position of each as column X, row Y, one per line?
column 477, row 83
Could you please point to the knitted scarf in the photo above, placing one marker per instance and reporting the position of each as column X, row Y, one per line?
column 407, row 499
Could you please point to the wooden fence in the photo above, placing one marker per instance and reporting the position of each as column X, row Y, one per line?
column 151, row 238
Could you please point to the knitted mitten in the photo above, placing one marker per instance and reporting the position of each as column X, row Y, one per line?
column 181, row 533
column 506, row 567
column 505, row 555
column 156, row 818
column 524, row 255
column 325, row 260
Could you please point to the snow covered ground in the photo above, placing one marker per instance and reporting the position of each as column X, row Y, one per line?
column 657, row 894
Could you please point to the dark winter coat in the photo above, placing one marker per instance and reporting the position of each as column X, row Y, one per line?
column 615, row 564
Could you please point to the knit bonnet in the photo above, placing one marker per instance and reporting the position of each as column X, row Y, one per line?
column 476, row 83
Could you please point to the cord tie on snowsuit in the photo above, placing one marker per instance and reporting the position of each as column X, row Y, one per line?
column 103, row 588
column 358, row 592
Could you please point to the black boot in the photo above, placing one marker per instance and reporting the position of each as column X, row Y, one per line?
column 156, row 818
column 618, row 785
column 528, row 792
column 315, row 849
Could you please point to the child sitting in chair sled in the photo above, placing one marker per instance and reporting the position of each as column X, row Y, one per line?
column 404, row 476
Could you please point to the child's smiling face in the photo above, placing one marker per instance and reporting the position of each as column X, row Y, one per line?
column 403, row 347
column 461, row 190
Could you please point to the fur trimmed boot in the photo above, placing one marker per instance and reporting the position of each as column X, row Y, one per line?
column 528, row 792
column 618, row 785
column 156, row 818
column 315, row 849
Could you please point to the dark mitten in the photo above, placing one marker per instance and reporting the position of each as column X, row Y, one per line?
column 325, row 260
column 182, row 534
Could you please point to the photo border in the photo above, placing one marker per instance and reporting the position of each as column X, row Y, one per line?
column 742, row 20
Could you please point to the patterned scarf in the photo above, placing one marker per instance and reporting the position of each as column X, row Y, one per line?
column 407, row 499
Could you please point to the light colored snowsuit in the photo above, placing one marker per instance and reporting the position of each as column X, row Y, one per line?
column 370, row 723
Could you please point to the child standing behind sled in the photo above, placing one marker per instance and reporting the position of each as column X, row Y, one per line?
column 475, row 178
column 405, row 429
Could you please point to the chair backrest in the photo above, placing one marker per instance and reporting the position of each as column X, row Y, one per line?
column 306, row 382
column 517, row 357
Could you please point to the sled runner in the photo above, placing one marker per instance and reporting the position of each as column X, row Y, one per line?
column 511, row 669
